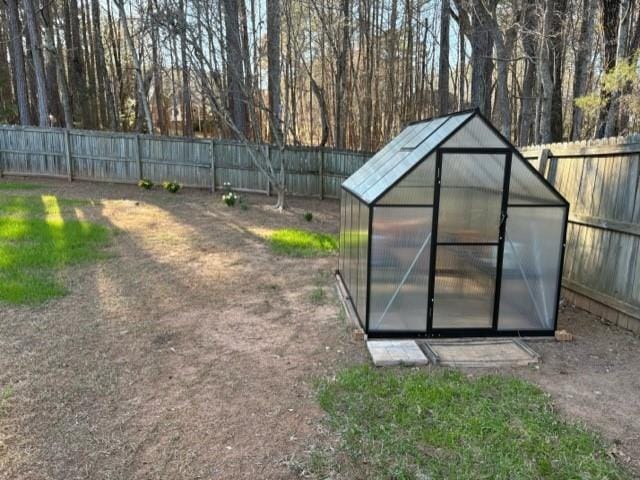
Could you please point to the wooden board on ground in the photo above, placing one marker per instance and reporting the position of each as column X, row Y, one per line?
column 479, row 353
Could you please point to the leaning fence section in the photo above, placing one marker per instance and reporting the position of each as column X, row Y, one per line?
column 600, row 179
column 202, row 163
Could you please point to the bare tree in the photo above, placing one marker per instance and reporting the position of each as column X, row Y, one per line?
column 581, row 73
column 38, row 63
column 142, row 91
column 273, row 59
column 17, row 61
column 443, row 70
column 610, row 21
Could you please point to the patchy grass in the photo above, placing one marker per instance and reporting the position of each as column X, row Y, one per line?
column 17, row 186
column 318, row 296
column 37, row 239
column 302, row 243
column 414, row 424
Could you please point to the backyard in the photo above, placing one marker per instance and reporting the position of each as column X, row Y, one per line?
column 184, row 344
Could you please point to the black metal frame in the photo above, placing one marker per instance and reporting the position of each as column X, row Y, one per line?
column 509, row 151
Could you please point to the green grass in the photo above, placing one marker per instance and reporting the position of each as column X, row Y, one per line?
column 414, row 424
column 318, row 296
column 302, row 243
column 40, row 235
column 17, row 186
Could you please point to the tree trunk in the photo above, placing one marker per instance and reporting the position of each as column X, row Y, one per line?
column 38, row 63
column 80, row 102
column 546, row 80
column 273, row 71
column 136, row 65
column 581, row 69
column 502, row 89
column 324, row 115
column 61, row 81
column 7, row 100
column 610, row 20
column 481, row 54
column 157, row 82
column 611, row 126
column 341, row 77
column 443, row 71
column 106, row 103
column 527, row 100
column 392, row 51
column 89, row 67
column 235, row 67
column 187, row 120
column 556, row 43
column 17, row 61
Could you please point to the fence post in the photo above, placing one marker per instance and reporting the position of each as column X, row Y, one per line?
column 321, row 173
column 269, row 161
column 67, row 154
column 138, row 159
column 213, row 166
column 542, row 161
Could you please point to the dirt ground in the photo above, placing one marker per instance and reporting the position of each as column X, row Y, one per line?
column 192, row 351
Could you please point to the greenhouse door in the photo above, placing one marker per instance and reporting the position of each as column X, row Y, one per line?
column 470, row 202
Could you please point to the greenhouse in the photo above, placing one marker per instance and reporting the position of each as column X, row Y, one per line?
column 449, row 231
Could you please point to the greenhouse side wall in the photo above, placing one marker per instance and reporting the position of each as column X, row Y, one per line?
column 353, row 259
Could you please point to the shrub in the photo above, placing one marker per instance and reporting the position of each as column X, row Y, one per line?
column 230, row 199
column 172, row 187
column 308, row 216
column 145, row 183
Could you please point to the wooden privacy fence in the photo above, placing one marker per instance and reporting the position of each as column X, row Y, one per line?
column 202, row 163
column 601, row 181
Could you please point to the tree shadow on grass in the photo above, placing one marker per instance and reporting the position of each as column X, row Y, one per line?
column 36, row 242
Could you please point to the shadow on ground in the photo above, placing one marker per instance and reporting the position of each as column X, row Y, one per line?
column 191, row 352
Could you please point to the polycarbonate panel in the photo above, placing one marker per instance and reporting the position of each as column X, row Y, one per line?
column 363, row 244
column 342, row 230
column 470, row 197
column 379, row 179
column 416, row 156
column 347, row 243
column 464, row 289
column 353, row 250
column 390, row 164
column 416, row 188
column 371, row 169
column 399, row 277
column 530, row 268
column 475, row 134
column 525, row 187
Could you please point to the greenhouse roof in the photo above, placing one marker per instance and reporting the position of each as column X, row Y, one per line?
column 417, row 141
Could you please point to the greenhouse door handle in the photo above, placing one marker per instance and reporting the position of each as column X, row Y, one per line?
column 503, row 218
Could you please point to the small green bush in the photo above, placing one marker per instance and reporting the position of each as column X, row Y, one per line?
column 308, row 216
column 230, row 199
column 145, row 183
column 172, row 187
